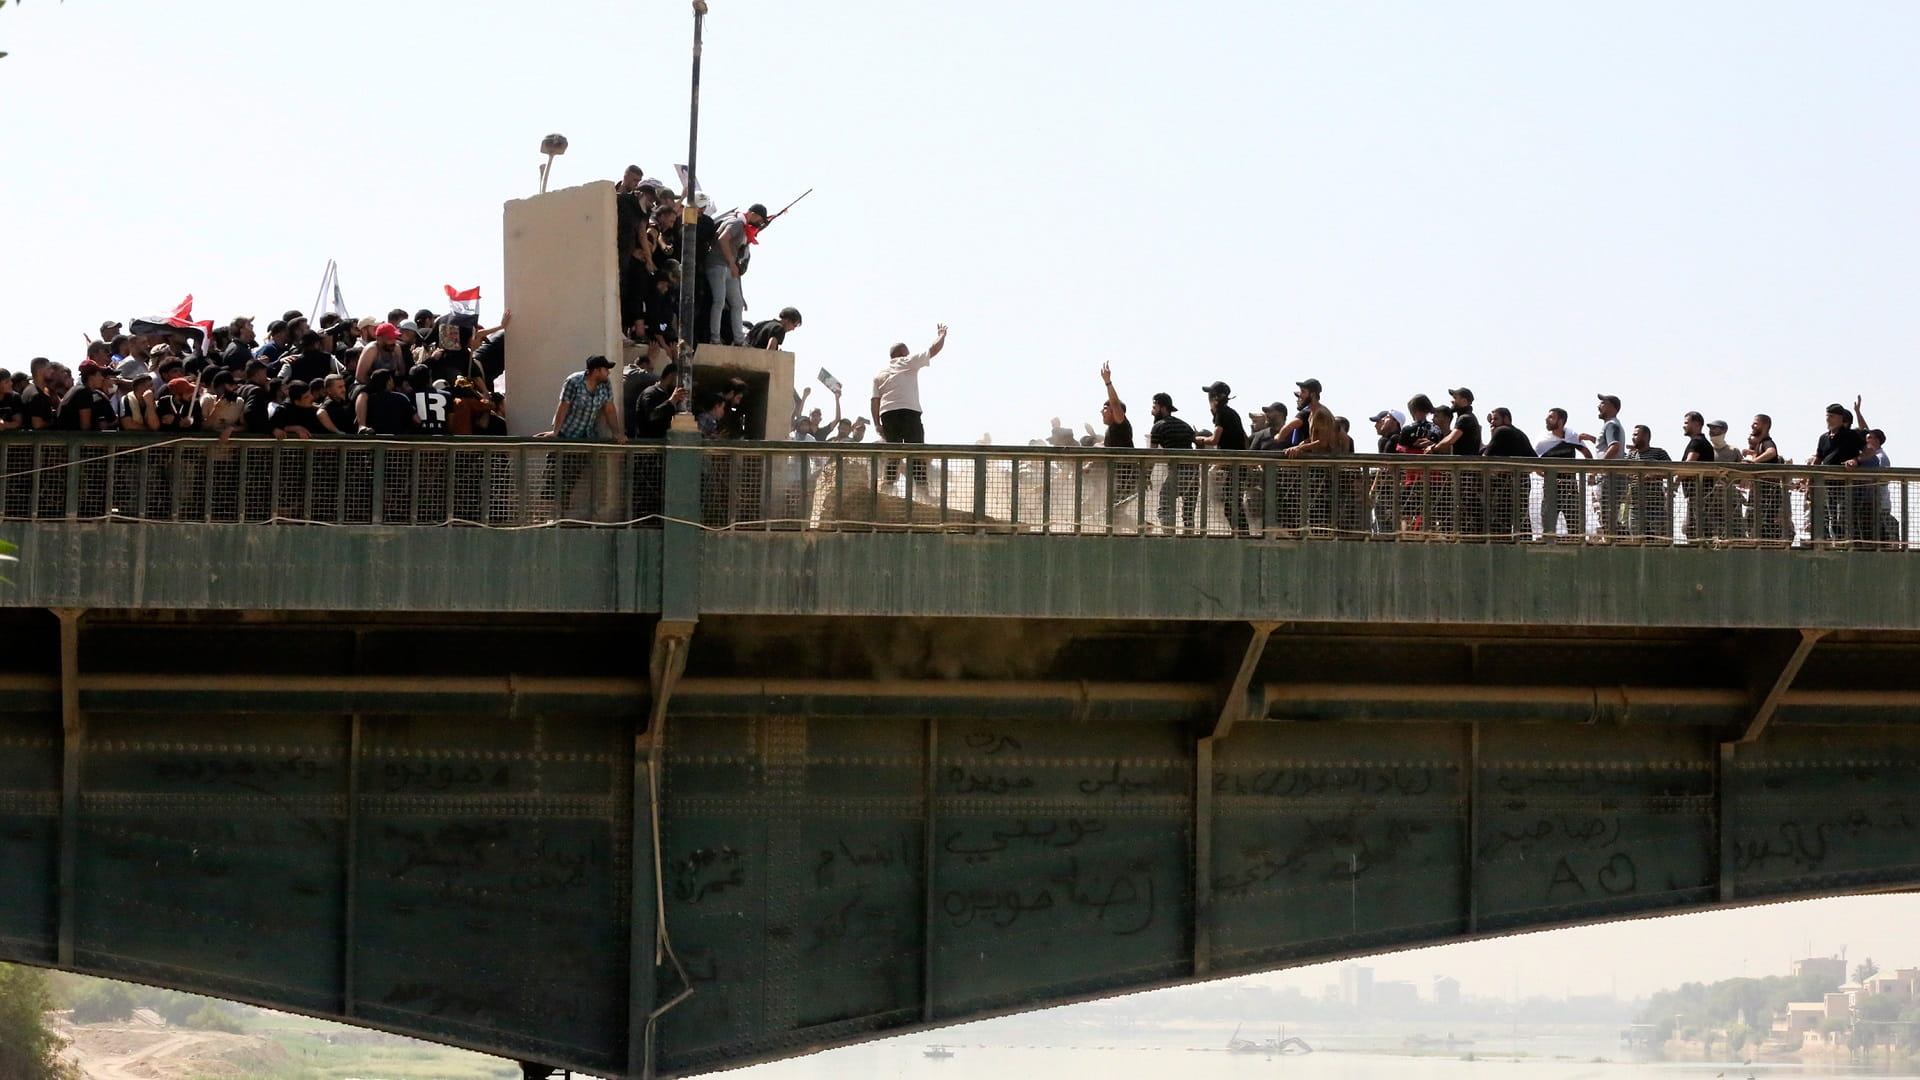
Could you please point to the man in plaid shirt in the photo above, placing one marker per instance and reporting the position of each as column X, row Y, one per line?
column 586, row 401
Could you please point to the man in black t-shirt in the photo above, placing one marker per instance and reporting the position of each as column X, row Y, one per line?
column 1182, row 483
column 256, row 397
column 85, row 407
column 1125, row 475
column 772, row 334
column 1464, row 440
column 1507, row 499
column 1699, row 449
column 12, row 412
column 1229, row 433
column 431, row 406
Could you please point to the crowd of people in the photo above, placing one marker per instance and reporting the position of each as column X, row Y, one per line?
column 1397, row 495
column 423, row 373
column 407, row 374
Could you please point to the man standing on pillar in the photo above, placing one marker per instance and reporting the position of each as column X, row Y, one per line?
column 896, row 400
column 726, row 264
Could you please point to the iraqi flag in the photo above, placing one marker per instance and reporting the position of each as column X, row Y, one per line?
column 181, row 319
column 463, row 303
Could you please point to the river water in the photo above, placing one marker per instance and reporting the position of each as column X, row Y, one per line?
column 1341, row 1054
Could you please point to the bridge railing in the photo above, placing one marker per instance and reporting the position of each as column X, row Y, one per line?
column 523, row 483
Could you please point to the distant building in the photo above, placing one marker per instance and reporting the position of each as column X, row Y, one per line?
column 1356, row 986
column 1826, row 967
column 1446, row 991
column 1899, row 984
column 1395, row 998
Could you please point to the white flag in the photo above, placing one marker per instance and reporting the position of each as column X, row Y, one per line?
column 329, row 299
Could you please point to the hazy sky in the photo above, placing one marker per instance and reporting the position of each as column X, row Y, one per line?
column 1704, row 205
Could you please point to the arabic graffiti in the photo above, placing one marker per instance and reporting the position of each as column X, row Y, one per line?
column 1039, row 834
column 1121, row 901
column 987, row 742
column 1283, row 783
column 1807, row 844
column 963, row 782
column 862, row 859
column 1555, row 832
column 1159, row 782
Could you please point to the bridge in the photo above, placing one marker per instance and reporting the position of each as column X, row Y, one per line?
column 652, row 760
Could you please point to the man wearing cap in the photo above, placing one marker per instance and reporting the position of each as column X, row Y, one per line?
column 1182, row 482
column 586, row 404
column 726, row 264
column 1842, row 444
column 276, row 344
column 384, row 354
column 1465, row 441
column 1386, row 426
column 1229, row 433
column 1305, row 396
column 1611, row 445
column 177, row 411
column 85, row 407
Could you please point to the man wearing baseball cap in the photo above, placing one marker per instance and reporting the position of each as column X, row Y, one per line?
column 1229, row 433
column 1182, row 484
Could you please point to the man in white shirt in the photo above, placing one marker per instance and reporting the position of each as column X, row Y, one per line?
column 896, row 400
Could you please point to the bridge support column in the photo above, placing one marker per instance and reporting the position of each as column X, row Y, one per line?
column 650, row 946
column 73, row 736
column 1770, row 680
column 1235, row 708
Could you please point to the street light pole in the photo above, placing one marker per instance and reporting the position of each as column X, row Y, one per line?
column 690, row 219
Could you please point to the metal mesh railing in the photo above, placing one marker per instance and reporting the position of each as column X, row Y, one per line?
column 428, row 482
column 521, row 483
column 1368, row 497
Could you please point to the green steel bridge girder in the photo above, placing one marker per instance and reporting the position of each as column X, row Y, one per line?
column 893, row 824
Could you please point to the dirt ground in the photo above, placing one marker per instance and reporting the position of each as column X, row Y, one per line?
column 136, row 1052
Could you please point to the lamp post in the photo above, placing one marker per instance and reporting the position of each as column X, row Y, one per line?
column 690, row 219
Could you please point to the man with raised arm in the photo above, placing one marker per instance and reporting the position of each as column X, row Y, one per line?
column 896, row 399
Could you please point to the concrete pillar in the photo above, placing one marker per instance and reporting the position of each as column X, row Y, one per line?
column 769, row 377
column 563, row 286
